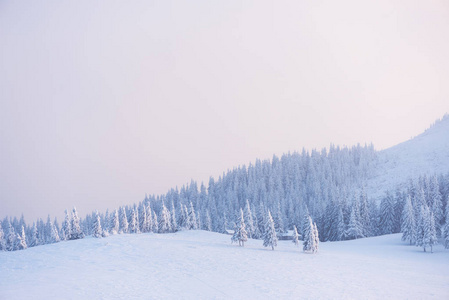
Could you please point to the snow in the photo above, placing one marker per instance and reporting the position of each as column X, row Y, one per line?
column 427, row 153
column 205, row 265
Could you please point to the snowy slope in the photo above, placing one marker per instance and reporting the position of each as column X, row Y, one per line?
column 428, row 153
column 204, row 265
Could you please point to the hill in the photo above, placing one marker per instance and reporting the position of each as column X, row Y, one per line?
column 425, row 154
column 204, row 265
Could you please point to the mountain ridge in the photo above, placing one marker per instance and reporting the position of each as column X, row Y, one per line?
column 425, row 154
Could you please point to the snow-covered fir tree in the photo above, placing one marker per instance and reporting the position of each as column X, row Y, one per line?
column 96, row 226
column 115, row 224
column 309, row 236
column 66, row 226
column 240, row 234
column 174, row 223
column 387, row 217
column 248, row 215
column 55, row 235
column 408, row 227
column 182, row 217
column 365, row 217
column 155, row 224
column 193, row 224
column 436, row 204
column 316, row 241
column 142, row 218
column 164, row 220
column 270, row 237
column 75, row 232
column 431, row 233
column 2, row 239
column 21, row 241
column 207, row 222
column 426, row 232
column 33, row 239
column 133, row 224
column 123, row 221
column 149, row 220
column 11, row 238
column 295, row 236
column 355, row 229
column 446, row 226
column 305, row 220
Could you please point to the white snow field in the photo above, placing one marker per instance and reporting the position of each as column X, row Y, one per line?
column 204, row 265
column 427, row 153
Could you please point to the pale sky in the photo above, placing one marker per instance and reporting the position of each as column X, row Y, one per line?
column 104, row 101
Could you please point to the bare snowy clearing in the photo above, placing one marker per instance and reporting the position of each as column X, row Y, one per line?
column 204, row 265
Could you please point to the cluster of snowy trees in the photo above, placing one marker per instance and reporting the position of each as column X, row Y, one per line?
column 326, row 185
column 422, row 220
column 270, row 235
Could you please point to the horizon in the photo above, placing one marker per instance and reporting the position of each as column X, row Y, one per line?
column 205, row 182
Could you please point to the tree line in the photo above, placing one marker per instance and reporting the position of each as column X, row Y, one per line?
column 326, row 185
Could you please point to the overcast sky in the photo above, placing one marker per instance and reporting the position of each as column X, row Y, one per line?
column 104, row 101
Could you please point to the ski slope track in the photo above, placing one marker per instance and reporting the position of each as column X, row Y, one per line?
column 205, row 265
column 427, row 153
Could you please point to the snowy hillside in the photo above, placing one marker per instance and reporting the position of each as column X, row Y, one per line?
column 428, row 153
column 204, row 265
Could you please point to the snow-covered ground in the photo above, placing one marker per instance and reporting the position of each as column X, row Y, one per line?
column 427, row 153
column 204, row 265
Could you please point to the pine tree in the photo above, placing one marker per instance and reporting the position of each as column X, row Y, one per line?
column 387, row 217
column 55, row 235
column 21, row 241
column 11, row 238
column 249, row 220
column 133, row 224
column 149, row 222
column 420, row 227
column 208, row 222
column 34, row 239
column 309, row 237
column 48, row 231
column 66, row 226
column 426, row 236
column 295, row 236
column 316, row 242
column 355, row 229
column 278, row 219
column 408, row 227
column 123, row 221
column 192, row 218
column 96, row 226
column 115, row 224
column 365, row 218
column 174, row 224
column 240, row 233
column 182, row 217
column 2, row 239
column 261, row 222
column 341, row 226
column 142, row 218
column 305, row 221
column 437, row 204
column 155, row 223
column 270, row 238
column 75, row 232
column 224, row 224
column 431, row 233
column 164, row 220
column 446, row 227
